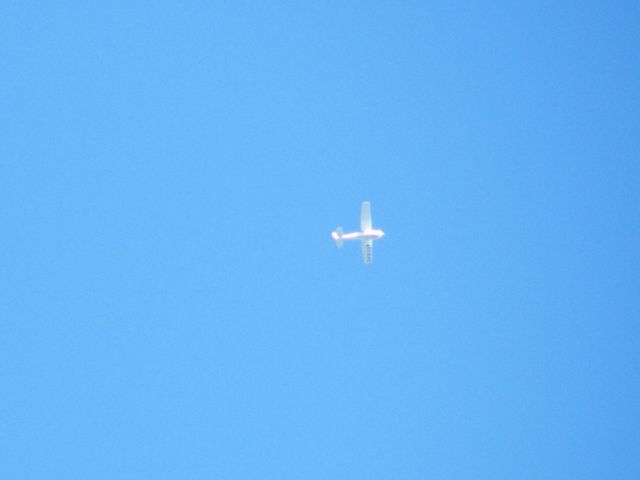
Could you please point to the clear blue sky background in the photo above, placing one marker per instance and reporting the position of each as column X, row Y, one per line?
column 172, row 305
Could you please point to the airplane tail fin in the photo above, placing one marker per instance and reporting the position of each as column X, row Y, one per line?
column 337, row 236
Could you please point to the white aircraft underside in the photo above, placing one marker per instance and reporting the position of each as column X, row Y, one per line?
column 366, row 235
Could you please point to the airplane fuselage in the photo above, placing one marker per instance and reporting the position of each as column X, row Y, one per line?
column 373, row 234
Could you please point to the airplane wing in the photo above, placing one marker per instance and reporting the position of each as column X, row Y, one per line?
column 365, row 216
column 367, row 251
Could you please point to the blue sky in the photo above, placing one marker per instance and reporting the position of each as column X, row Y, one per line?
column 173, row 305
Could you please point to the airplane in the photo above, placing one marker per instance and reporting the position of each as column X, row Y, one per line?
column 366, row 235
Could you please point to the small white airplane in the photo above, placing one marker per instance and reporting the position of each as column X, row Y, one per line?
column 366, row 235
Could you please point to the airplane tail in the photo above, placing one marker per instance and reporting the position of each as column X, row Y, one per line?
column 337, row 236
